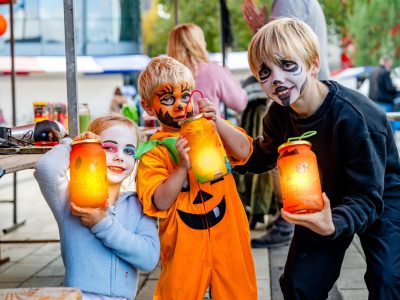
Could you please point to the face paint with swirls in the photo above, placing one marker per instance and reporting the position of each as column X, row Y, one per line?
column 285, row 81
column 169, row 103
column 119, row 143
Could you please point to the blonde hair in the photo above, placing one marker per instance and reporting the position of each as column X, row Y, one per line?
column 288, row 37
column 100, row 124
column 187, row 44
column 162, row 70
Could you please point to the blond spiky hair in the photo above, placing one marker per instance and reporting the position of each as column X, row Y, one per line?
column 162, row 70
column 286, row 37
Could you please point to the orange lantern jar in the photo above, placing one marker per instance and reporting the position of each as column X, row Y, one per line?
column 3, row 25
column 88, row 184
column 207, row 154
column 299, row 176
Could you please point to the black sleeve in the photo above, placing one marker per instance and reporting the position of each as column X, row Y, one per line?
column 390, row 88
column 364, row 160
column 265, row 152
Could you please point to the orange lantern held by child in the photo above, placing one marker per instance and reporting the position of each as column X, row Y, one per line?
column 3, row 25
column 207, row 154
column 88, row 184
column 299, row 176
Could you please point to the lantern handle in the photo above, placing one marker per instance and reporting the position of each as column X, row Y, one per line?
column 190, row 99
column 303, row 136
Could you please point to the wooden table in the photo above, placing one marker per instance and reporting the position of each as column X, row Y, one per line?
column 17, row 162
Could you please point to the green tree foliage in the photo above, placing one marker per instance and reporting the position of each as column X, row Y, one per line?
column 336, row 13
column 204, row 13
column 369, row 23
column 371, row 27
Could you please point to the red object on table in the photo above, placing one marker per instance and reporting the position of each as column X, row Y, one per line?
column 46, row 143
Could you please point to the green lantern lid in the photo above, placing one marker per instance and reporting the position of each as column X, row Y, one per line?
column 298, row 140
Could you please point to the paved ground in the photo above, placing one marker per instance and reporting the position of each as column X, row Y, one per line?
column 39, row 264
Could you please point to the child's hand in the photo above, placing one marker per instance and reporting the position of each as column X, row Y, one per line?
column 180, row 144
column 319, row 222
column 86, row 135
column 208, row 109
column 89, row 216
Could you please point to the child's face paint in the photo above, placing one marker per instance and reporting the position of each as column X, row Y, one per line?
column 119, row 143
column 284, row 82
column 169, row 105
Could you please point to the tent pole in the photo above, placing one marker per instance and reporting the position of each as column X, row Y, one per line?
column 70, row 55
column 176, row 12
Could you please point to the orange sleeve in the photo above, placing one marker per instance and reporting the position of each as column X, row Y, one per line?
column 152, row 171
column 233, row 161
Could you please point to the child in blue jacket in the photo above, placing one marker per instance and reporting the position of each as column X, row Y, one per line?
column 102, row 248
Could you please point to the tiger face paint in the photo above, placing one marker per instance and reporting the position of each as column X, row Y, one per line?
column 169, row 105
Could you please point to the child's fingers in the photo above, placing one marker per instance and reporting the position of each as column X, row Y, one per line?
column 76, row 210
column 86, row 135
column 204, row 103
column 180, row 144
column 327, row 203
column 210, row 116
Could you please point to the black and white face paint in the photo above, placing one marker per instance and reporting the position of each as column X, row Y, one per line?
column 285, row 81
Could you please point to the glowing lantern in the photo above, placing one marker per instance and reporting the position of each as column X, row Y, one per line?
column 88, row 185
column 299, row 176
column 3, row 25
column 207, row 154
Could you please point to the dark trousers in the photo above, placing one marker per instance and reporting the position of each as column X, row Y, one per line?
column 314, row 262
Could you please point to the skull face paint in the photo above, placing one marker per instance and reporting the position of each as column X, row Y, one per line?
column 169, row 104
column 119, row 143
column 284, row 81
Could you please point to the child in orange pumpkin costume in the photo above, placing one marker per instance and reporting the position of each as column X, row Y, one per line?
column 205, row 238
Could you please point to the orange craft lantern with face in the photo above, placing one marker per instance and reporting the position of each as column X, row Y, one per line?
column 88, row 184
column 3, row 25
column 207, row 154
column 299, row 176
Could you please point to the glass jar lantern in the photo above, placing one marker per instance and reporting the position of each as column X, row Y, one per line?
column 207, row 154
column 299, row 178
column 88, row 170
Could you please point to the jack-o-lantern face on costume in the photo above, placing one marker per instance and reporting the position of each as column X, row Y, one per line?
column 209, row 219
column 169, row 105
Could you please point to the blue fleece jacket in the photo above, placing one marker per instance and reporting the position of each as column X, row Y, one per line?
column 106, row 258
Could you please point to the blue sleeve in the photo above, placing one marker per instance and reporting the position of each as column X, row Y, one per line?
column 140, row 248
column 51, row 174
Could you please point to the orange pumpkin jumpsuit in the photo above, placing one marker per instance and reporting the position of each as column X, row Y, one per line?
column 196, row 253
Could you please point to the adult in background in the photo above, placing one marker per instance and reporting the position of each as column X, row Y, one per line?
column 187, row 44
column 117, row 101
column 381, row 88
column 310, row 12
